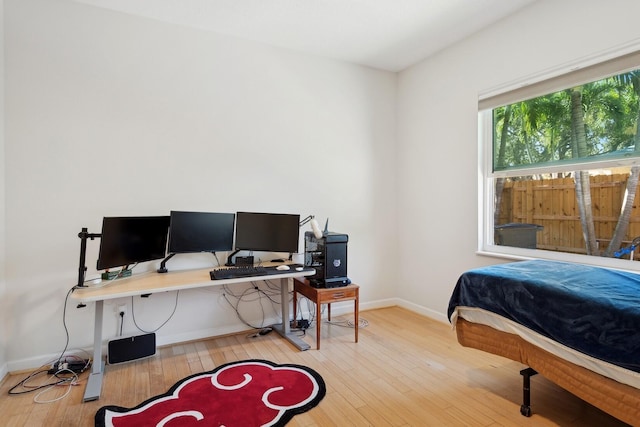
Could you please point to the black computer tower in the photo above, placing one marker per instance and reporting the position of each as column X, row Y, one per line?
column 328, row 256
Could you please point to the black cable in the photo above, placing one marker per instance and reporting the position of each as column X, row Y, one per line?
column 64, row 324
column 58, row 360
column 21, row 383
column 216, row 257
column 253, row 294
column 237, row 310
column 311, row 310
column 121, row 322
column 273, row 301
column 133, row 316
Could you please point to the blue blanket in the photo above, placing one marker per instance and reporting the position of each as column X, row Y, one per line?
column 593, row 310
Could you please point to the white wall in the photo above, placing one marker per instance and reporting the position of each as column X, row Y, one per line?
column 437, row 130
column 109, row 114
column 3, row 289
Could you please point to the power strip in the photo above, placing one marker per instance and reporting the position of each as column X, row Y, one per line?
column 77, row 366
column 300, row 324
column 110, row 275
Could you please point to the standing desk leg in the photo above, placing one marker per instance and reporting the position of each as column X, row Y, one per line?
column 283, row 328
column 94, row 383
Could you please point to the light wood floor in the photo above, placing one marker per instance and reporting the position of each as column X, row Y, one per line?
column 407, row 370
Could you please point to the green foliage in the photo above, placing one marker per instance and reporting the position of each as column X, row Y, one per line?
column 539, row 129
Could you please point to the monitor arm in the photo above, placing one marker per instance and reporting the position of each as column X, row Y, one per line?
column 163, row 264
column 230, row 257
column 306, row 220
column 82, row 269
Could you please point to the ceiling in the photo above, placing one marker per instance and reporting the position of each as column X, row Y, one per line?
column 385, row 34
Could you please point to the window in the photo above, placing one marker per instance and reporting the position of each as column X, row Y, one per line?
column 561, row 167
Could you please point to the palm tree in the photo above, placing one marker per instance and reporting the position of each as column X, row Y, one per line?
column 582, row 180
column 499, row 187
column 588, row 120
column 622, row 225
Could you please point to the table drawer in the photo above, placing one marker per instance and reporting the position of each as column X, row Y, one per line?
column 336, row 295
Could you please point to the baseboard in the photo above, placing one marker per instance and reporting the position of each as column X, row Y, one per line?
column 201, row 334
column 336, row 309
column 384, row 303
column 38, row 361
column 4, row 371
column 427, row 312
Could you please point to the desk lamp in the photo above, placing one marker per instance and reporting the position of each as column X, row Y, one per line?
column 314, row 226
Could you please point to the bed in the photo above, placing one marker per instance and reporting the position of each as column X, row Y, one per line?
column 577, row 325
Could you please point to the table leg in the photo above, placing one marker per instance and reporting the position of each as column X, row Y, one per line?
column 284, row 329
column 318, row 323
column 94, row 382
column 356, row 309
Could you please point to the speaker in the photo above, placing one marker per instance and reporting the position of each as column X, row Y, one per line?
column 131, row 348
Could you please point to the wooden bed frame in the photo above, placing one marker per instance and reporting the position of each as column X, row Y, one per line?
column 617, row 399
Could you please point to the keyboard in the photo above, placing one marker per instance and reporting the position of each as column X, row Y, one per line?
column 238, row 271
column 234, row 272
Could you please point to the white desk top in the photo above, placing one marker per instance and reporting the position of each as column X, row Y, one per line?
column 152, row 282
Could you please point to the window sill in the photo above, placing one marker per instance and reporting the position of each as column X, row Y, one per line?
column 520, row 254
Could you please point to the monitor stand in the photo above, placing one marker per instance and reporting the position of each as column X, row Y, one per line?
column 163, row 264
column 229, row 258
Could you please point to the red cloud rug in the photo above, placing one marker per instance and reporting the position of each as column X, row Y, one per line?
column 247, row 393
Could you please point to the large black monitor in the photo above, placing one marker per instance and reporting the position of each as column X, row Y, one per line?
column 128, row 240
column 267, row 232
column 201, row 232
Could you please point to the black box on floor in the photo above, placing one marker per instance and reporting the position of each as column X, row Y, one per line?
column 131, row 348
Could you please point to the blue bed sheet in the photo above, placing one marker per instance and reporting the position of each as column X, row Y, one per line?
column 593, row 310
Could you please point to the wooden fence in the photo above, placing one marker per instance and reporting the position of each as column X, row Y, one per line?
column 552, row 204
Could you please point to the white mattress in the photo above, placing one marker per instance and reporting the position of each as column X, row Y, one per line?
column 484, row 317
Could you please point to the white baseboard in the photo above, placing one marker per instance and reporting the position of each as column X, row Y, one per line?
column 435, row 315
column 336, row 309
column 4, row 370
column 209, row 333
column 347, row 307
column 38, row 361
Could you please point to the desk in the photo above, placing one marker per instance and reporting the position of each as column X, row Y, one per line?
column 151, row 283
column 326, row 296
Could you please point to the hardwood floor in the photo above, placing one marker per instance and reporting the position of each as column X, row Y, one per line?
column 406, row 370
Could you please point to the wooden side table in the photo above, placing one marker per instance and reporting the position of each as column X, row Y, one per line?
column 326, row 296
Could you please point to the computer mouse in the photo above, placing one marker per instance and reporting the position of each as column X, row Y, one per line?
column 299, row 268
column 282, row 267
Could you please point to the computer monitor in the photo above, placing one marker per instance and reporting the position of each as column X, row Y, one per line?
column 129, row 240
column 267, row 232
column 201, row 232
